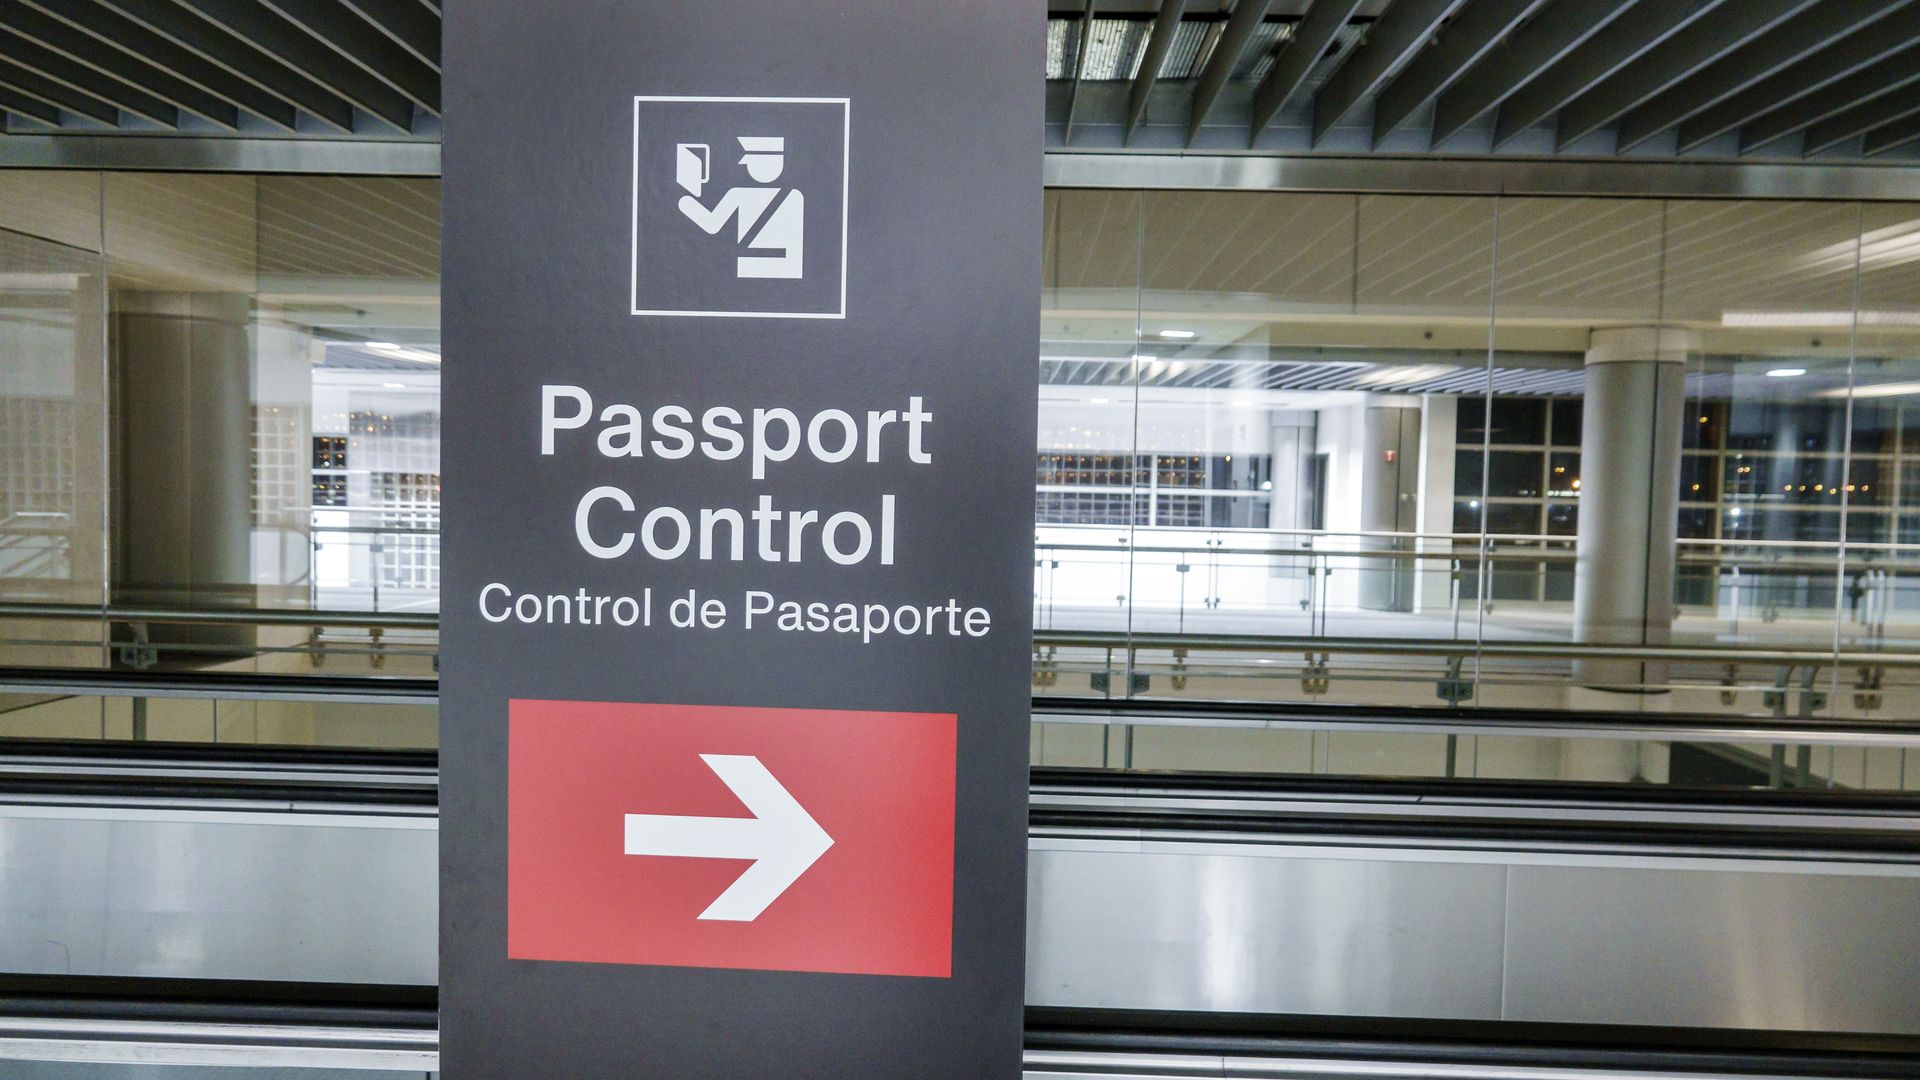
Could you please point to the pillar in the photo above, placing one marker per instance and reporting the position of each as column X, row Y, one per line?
column 1629, row 499
column 1389, row 502
column 184, row 444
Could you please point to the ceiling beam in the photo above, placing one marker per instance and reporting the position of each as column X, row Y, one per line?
column 34, row 85
column 1896, row 71
column 1612, row 48
column 91, row 52
column 1863, row 47
column 1392, row 40
column 1888, row 108
column 1463, row 43
column 30, row 54
column 1895, row 135
column 1766, row 56
column 1554, row 32
column 365, row 46
column 168, row 20
column 252, row 24
column 117, row 31
column 1311, row 36
column 1714, row 34
column 413, row 26
column 1166, row 25
column 1079, row 68
column 1227, row 51
column 14, row 102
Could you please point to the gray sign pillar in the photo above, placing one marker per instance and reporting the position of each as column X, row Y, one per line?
column 740, row 309
column 1629, row 500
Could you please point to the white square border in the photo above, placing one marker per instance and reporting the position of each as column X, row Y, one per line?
column 633, row 250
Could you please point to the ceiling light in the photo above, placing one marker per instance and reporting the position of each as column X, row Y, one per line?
column 1178, row 335
column 1786, row 372
column 394, row 385
column 1892, row 389
column 1100, row 401
column 1817, row 320
column 1405, row 375
column 402, row 352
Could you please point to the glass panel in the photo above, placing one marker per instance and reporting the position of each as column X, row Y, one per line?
column 53, row 408
column 1262, row 414
column 1569, row 270
column 276, row 357
column 1300, row 343
column 1767, row 421
column 1086, row 501
column 1881, row 591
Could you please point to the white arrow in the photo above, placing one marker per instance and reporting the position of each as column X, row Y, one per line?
column 781, row 838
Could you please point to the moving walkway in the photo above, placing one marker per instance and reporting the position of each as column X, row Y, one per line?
column 250, row 905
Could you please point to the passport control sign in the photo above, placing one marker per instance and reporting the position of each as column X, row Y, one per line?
column 740, row 309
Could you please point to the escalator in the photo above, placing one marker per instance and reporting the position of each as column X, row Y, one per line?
column 202, row 905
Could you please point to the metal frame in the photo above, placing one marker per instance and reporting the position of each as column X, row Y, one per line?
column 176, row 153
column 1483, row 176
column 1238, row 172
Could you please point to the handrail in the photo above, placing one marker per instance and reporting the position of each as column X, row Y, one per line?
column 222, row 685
column 1094, row 639
column 1473, row 720
column 372, row 620
column 1157, row 712
column 1551, row 650
column 1490, row 553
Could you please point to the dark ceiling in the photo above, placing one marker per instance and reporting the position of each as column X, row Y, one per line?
column 1663, row 79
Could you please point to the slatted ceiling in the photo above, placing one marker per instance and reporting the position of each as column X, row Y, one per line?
column 1258, row 58
column 1832, row 79
column 1115, row 49
column 355, row 356
column 1183, row 56
column 365, row 68
column 1427, row 254
column 1430, row 373
column 350, row 227
column 1063, row 47
column 1890, row 258
column 1754, row 257
column 186, row 232
column 1240, row 242
column 1513, row 374
column 1551, row 76
column 1093, row 239
column 1564, row 261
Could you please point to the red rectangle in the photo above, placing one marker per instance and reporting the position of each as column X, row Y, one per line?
column 587, row 781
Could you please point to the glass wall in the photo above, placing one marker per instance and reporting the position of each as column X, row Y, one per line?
column 219, row 394
column 1462, row 452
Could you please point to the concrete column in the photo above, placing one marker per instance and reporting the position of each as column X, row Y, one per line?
column 1389, row 502
column 184, row 376
column 1629, row 499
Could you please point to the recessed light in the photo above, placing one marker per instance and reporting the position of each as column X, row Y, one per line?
column 1100, row 401
column 394, row 385
column 1179, row 335
column 1786, row 372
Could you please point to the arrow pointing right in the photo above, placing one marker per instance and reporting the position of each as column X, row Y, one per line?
column 781, row 839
